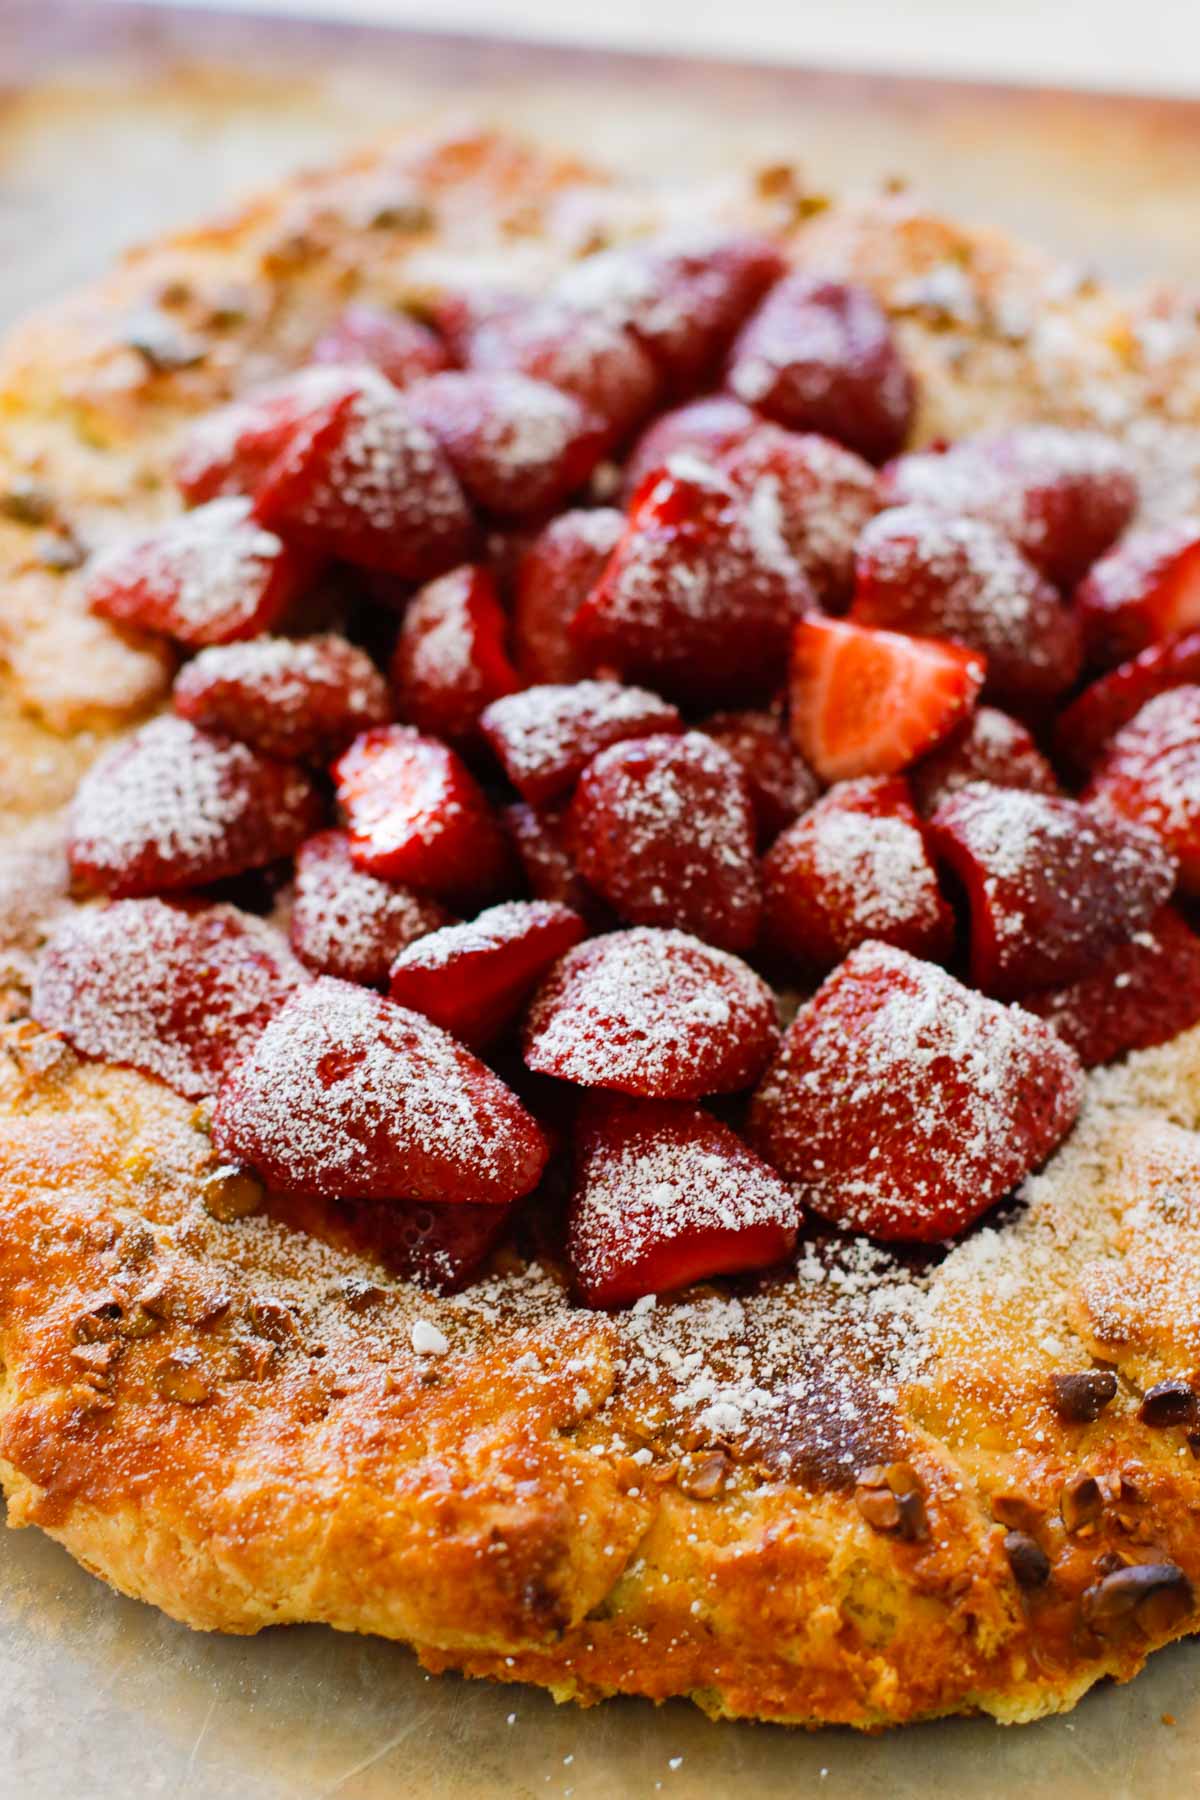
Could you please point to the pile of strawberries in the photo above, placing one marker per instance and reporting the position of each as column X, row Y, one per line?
column 586, row 668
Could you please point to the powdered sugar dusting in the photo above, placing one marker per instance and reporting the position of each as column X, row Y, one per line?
column 348, row 923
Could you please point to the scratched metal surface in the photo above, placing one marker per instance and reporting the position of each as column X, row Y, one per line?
column 101, row 1697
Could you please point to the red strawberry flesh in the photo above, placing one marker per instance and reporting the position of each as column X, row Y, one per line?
column 545, row 736
column 989, row 746
column 450, row 659
column 301, row 699
column 473, row 979
column 780, row 782
column 554, row 576
column 1141, row 993
column 347, row 923
column 1145, row 589
column 396, row 344
column 826, row 496
column 1151, row 773
column 1086, row 727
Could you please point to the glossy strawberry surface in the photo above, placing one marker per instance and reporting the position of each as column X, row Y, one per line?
column 451, row 656
column 545, row 736
column 519, row 447
column 1145, row 589
column 824, row 494
column 473, row 979
column 780, row 783
column 1150, row 773
column 988, row 746
column 1141, row 993
column 1087, row 726
column 554, row 576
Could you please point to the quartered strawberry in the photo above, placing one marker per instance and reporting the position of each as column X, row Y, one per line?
column 297, row 698
column 450, row 658
column 854, row 867
column 539, row 837
column 350, row 924
column 1147, row 588
column 664, row 830
column 989, row 746
column 519, row 447
column 655, row 1013
column 1143, row 992
column 664, row 1196
column 473, row 979
column 1050, row 884
column 172, row 807
column 364, row 480
column 1150, row 772
column 780, row 782
column 440, row 1247
column 544, row 736
column 819, row 355
column 825, row 496
column 903, row 1105
column 554, row 576
column 416, row 814
column 700, row 594
column 938, row 575
column 1062, row 496
column 867, row 702
column 181, row 994
column 395, row 343
column 349, row 1095
column 682, row 297
column 1086, row 727
column 205, row 577
column 708, row 428
column 230, row 449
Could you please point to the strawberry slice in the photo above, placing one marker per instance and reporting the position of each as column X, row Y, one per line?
column 1051, row 885
column 442, row 1248
column 554, row 576
column 708, row 428
column 396, row 344
column 820, row 355
column 826, row 497
column 1146, row 589
column 1062, row 496
column 302, row 699
column 473, row 979
column 700, row 594
column 937, row 575
column 230, row 449
column 855, row 867
column 666, row 1196
column 1151, row 773
column 1142, row 993
column 348, row 923
column 416, row 814
column 903, row 1105
column 780, row 782
column 519, row 447
column 663, row 829
column 364, row 480
column 866, row 702
column 171, row 807
column 546, row 735
column 348, row 1095
column 206, row 577
column 450, row 659
column 175, row 993
column 989, row 746
column 1086, row 728
column 540, row 841
column 655, row 1013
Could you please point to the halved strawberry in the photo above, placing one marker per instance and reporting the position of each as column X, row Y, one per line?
column 545, row 736
column 854, row 867
column 1151, row 772
column 903, row 1105
column 520, row 447
column 230, row 449
column 1086, row 727
column 655, row 1013
column 699, row 597
column 820, row 355
column 781, row 784
column 473, row 979
column 171, row 807
column 349, row 1095
column 205, row 577
column 1062, row 496
column 663, row 829
column 540, row 840
column 298, row 698
column 708, row 427
column 364, row 480
column 1051, row 884
column 665, row 1196
column 825, row 495
column 554, row 576
column 939, row 575
column 450, row 658
column 175, row 993
column 989, row 746
column 1143, row 992
column 416, row 814
column 440, row 1247
column 866, row 702
column 350, row 924
column 395, row 343
column 1147, row 588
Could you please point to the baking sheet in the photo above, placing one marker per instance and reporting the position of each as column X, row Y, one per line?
column 101, row 1697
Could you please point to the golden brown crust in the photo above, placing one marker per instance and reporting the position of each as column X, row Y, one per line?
column 813, row 1519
